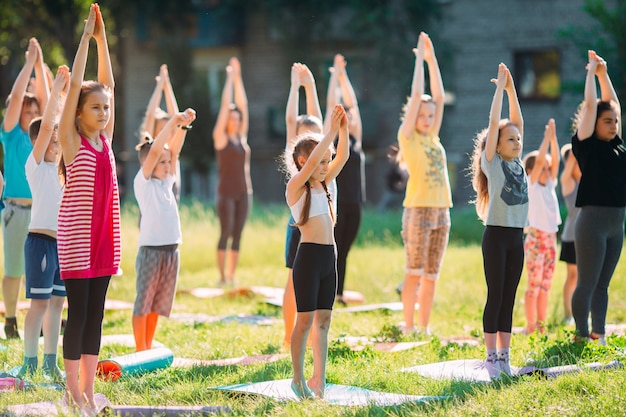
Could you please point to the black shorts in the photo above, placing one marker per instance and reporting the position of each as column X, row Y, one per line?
column 315, row 277
column 568, row 253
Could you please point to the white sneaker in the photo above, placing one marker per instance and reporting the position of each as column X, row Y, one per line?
column 493, row 368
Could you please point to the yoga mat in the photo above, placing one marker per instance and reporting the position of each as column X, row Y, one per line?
column 242, row 360
column 358, row 343
column 253, row 319
column 49, row 408
column 274, row 296
column 335, row 394
column 396, row 306
column 473, row 370
column 135, row 363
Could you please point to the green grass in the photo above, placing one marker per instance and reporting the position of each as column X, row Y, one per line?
column 375, row 267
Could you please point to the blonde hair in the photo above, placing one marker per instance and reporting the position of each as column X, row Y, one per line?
column 480, row 184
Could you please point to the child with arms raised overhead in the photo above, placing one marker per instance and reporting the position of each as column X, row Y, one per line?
column 569, row 181
column 315, row 266
column 159, row 233
column 89, row 217
column 297, row 124
column 543, row 220
column 501, row 187
column 599, row 233
column 22, row 108
column 426, row 215
column 43, row 281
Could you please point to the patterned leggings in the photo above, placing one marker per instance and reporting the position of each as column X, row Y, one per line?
column 540, row 254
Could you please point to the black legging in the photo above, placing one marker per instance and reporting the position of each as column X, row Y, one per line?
column 346, row 230
column 83, row 330
column 503, row 260
column 232, row 212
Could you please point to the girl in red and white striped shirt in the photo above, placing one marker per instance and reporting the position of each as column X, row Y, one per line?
column 89, row 218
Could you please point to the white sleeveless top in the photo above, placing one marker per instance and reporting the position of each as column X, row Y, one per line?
column 319, row 203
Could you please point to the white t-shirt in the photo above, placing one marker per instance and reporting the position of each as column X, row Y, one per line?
column 543, row 206
column 160, row 222
column 43, row 180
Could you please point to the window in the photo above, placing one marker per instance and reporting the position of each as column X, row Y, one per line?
column 537, row 74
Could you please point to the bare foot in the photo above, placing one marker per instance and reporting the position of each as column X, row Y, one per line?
column 318, row 387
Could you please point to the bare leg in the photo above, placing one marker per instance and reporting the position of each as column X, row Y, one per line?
column 88, row 366
column 321, row 324
column 221, row 265
column 10, row 294
column 425, row 297
column 542, row 309
column 530, row 305
column 74, row 393
column 504, row 340
column 289, row 309
column 52, row 325
column 409, row 296
column 568, row 289
column 299, row 335
column 32, row 326
column 233, row 259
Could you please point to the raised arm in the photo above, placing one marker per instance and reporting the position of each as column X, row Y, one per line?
column 220, row 139
column 436, row 84
column 42, row 88
column 567, row 181
column 310, row 92
column 105, row 70
column 333, row 93
column 241, row 100
column 607, row 91
column 541, row 156
column 515, row 111
column 59, row 87
column 14, row 109
column 589, row 110
column 555, row 151
column 297, row 181
column 68, row 135
column 170, row 98
column 417, row 89
column 493, row 131
column 153, row 105
column 179, row 119
column 343, row 151
column 349, row 98
column 176, row 141
column 291, row 111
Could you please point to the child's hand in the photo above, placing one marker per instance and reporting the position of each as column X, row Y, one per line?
column 429, row 49
column 163, row 73
column 343, row 124
column 90, row 23
column 336, row 117
column 98, row 31
column 295, row 74
column 39, row 51
column 503, row 74
column 62, row 80
column 186, row 118
column 306, row 76
column 32, row 51
column 421, row 46
column 339, row 65
column 235, row 65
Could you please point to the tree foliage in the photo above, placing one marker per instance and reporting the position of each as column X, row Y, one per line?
column 607, row 37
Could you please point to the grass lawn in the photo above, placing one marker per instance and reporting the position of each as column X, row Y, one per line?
column 375, row 267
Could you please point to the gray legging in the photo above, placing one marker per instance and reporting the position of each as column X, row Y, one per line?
column 599, row 236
